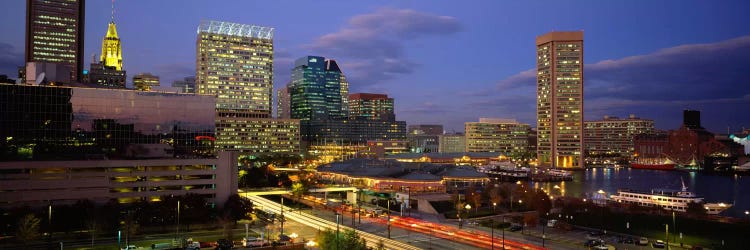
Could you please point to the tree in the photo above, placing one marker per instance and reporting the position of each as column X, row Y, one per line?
column 349, row 239
column 237, row 208
column 28, row 228
column 298, row 189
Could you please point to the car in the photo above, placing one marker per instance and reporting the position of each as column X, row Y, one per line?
column 601, row 247
column 130, row 247
column 643, row 241
column 193, row 245
column 515, row 228
column 254, row 242
column 594, row 235
column 628, row 240
column 593, row 243
column 658, row 244
column 223, row 244
column 551, row 223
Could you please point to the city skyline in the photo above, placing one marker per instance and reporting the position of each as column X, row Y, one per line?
column 662, row 59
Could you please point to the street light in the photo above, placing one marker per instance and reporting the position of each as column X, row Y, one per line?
column 494, row 206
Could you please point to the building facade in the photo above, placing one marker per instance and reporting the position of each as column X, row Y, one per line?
column 257, row 136
column 496, row 135
column 422, row 143
column 105, row 76
column 316, row 90
column 367, row 106
column 54, row 33
column 351, row 131
column 39, row 183
column 66, row 123
column 145, row 81
column 452, row 143
column 283, row 104
column 234, row 62
column 560, row 99
column 613, row 137
column 186, row 85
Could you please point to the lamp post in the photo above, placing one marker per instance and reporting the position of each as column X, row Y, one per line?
column 408, row 201
column 337, row 230
column 389, row 218
column 503, row 233
column 601, row 211
column 467, row 211
column 177, row 233
column 492, row 230
column 494, row 206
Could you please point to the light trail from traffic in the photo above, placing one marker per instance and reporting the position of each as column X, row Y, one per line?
column 316, row 222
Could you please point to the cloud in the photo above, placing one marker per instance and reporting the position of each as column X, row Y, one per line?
column 10, row 60
column 370, row 47
column 710, row 77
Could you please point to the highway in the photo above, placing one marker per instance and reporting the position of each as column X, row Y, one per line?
column 316, row 222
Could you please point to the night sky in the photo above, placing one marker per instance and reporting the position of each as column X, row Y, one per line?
column 448, row 62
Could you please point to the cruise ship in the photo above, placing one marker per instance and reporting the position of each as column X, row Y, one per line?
column 667, row 199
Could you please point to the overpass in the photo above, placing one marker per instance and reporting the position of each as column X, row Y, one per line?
column 350, row 195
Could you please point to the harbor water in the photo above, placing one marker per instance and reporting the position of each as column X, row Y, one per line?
column 734, row 189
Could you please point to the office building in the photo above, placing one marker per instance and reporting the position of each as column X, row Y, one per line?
column 54, row 33
column 351, row 131
column 427, row 129
column 612, row 137
column 691, row 119
column 234, row 62
column 366, row 106
column 283, row 105
column 316, row 91
column 257, row 136
column 560, row 99
column 145, row 81
column 452, row 143
column 105, row 76
column 496, row 135
column 186, row 85
column 69, row 123
column 422, row 143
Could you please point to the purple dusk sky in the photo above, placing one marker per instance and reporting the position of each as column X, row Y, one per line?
column 449, row 62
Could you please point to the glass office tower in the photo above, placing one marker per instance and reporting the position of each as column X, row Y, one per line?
column 317, row 90
column 64, row 123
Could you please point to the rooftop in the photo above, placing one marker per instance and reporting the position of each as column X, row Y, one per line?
column 235, row 29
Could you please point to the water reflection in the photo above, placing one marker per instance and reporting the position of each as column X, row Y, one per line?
column 713, row 188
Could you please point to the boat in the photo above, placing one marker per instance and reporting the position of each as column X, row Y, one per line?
column 655, row 164
column 674, row 200
column 504, row 170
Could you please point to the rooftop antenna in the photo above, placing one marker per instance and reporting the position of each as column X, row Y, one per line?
column 113, row 11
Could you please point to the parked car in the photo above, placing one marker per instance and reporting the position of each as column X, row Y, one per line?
column 130, row 247
column 594, row 235
column 658, row 244
column 551, row 223
column 515, row 228
column 194, row 245
column 629, row 240
column 643, row 241
column 223, row 244
column 254, row 242
column 593, row 243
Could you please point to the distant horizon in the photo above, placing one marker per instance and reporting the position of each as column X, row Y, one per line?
column 447, row 63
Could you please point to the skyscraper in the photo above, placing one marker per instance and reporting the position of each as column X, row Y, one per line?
column 317, row 90
column 560, row 99
column 108, row 71
column 54, row 33
column 235, row 62
column 111, row 48
column 366, row 106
